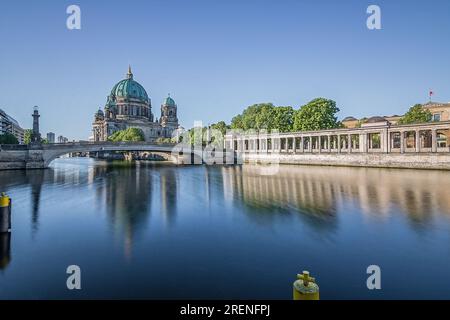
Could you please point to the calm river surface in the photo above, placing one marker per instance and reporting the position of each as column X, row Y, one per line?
column 154, row 230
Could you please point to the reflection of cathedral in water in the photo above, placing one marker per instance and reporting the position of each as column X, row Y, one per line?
column 127, row 192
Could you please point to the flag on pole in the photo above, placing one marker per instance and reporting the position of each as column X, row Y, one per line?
column 431, row 93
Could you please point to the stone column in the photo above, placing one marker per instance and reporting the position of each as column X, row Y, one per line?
column 319, row 142
column 294, row 144
column 417, row 140
column 339, row 143
column 349, row 138
column 329, row 143
column 402, row 142
column 383, row 138
column 390, row 141
column 361, row 142
column 366, row 143
column 434, row 140
column 302, row 144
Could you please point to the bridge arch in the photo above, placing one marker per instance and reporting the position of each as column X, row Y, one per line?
column 173, row 153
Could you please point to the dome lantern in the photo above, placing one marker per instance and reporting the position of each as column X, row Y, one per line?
column 129, row 73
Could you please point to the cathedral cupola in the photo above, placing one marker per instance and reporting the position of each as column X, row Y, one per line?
column 169, row 113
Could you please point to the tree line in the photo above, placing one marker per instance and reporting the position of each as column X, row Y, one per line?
column 318, row 114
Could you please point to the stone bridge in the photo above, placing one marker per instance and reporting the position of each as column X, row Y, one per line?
column 39, row 156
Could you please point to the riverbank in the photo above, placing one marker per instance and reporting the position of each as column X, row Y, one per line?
column 432, row 161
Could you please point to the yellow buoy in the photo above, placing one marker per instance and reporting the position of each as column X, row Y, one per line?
column 4, row 200
column 305, row 287
column 5, row 213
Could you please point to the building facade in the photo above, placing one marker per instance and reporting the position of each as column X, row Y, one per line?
column 10, row 125
column 439, row 111
column 50, row 137
column 62, row 139
column 129, row 106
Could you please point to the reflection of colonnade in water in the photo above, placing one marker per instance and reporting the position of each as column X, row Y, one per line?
column 320, row 190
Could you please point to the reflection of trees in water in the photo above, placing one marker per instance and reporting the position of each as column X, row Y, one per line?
column 318, row 191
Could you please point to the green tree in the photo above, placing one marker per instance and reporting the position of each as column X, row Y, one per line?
column 130, row 134
column 217, row 133
column 236, row 122
column 257, row 116
column 8, row 138
column 264, row 116
column 196, row 135
column 317, row 114
column 416, row 114
column 27, row 136
column 283, row 119
column 221, row 126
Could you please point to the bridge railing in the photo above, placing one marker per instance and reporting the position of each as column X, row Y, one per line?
column 106, row 143
column 13, row 147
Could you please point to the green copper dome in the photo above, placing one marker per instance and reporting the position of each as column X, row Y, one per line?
column 128, row 88
column 169, row 102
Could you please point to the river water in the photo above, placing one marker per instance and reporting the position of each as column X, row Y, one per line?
column 155, row 230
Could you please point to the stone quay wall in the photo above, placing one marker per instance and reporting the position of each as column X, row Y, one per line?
column 392, row 160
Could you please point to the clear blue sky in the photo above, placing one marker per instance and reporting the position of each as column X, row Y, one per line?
column 217, row 57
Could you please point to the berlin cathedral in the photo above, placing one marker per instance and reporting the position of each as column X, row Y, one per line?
column 129, row 106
